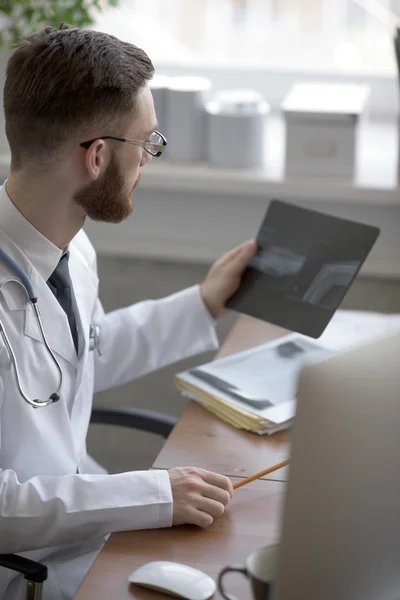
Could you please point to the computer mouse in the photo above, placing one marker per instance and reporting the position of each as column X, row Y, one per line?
column 175, row 579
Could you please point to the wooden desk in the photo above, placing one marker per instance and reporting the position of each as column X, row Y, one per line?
column 201, row 440
column 251, row 520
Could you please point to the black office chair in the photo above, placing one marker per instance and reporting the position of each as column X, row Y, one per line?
column 123, row 416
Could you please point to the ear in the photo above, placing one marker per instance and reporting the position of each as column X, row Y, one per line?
column 96, row 159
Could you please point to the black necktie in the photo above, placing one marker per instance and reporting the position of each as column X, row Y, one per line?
column 61, row 285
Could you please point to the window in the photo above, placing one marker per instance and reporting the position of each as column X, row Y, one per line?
column 336, row 36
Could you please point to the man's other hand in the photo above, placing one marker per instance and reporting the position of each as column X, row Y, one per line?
column 199, row 496
column 224, row 277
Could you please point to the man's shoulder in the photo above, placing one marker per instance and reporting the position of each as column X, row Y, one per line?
column 84, row 246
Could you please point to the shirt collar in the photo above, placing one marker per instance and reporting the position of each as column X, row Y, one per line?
column 40, row 252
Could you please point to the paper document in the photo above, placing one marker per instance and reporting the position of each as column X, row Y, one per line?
column 267, row 372
column 256, row 389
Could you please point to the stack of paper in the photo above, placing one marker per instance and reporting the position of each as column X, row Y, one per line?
column 256, row 389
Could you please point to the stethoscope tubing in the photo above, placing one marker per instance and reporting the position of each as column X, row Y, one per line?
column 24, row 282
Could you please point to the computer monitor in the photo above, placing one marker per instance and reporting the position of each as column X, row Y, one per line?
column 341, row 519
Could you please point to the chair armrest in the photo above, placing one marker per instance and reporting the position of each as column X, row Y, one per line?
column 134, row 418
column 33, row 571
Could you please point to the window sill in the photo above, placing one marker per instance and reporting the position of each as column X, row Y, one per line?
column 375, row 181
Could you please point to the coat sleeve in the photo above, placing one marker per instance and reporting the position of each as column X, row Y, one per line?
column 151, row 334
column 50, row 511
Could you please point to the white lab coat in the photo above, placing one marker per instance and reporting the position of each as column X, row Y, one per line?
column 56, row 505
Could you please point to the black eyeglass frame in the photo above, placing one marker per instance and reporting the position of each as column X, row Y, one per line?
column 154, row 150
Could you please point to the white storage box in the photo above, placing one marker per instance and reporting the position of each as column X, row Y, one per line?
column 236, row 121
column 322, row 122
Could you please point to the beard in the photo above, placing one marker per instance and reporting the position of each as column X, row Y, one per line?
column 107, row 199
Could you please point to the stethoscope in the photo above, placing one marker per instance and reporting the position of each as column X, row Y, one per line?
column 24, row 282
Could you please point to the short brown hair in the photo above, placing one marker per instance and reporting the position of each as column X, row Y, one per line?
column 61, row 82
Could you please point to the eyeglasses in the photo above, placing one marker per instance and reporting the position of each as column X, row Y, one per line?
column 155, row 146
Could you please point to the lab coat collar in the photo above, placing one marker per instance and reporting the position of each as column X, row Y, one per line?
column 40, row 252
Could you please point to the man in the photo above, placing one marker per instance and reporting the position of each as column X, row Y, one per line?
column 68, row 94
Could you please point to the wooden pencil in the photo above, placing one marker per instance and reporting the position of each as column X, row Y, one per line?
column 280, row 465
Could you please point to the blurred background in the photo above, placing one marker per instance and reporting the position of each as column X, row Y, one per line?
column 340, row 36
column 241, row 134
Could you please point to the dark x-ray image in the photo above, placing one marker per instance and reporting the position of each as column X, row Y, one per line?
column 305, row 264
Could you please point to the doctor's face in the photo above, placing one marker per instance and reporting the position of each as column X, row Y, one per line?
column 108, row 198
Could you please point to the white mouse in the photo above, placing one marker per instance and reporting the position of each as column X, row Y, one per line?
column 175, row 579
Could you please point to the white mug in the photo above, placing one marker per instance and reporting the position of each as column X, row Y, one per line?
column 260, row 570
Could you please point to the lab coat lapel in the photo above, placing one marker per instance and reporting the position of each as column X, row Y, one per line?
column 54, row 319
